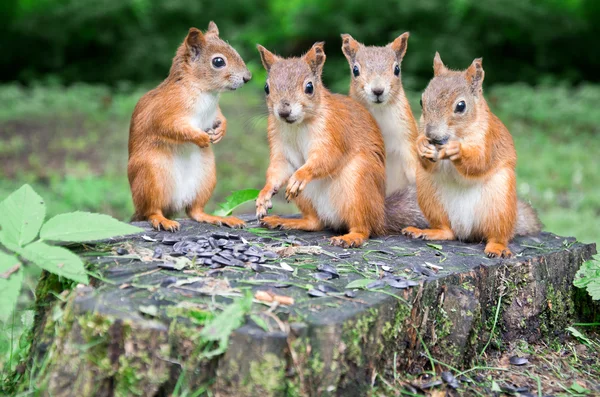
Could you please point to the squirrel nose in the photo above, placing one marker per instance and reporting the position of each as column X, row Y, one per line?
column 285, row 113
column 377, row 91
column 247, row 77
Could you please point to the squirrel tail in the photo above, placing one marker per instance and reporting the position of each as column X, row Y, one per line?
column 528, row 221
column 402, row 210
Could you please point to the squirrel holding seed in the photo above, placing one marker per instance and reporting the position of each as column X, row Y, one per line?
column 329, row 151
column 376, row 83
column 171, row 163
column 466, row 183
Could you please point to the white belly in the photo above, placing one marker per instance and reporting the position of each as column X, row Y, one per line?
column 461, row 198
column 320, row 192
column 190, row 171
column 395, row 131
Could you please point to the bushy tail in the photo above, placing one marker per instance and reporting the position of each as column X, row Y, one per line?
column 402, row 210
column 528, row 221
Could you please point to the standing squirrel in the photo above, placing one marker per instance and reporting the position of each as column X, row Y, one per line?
column 329, row 151
column 466, row 184
column 376, row 83
column 171, row 164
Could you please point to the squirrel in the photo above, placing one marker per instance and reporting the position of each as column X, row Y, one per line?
column 376, row 83
column 466, row 183
column 171, row 164
column 329, row 150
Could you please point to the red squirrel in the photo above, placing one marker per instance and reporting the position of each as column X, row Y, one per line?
column 466, row 183
column 328, row 150
column 376, row 83
column 171, row 163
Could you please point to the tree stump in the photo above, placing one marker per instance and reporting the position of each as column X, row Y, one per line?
column 136, row 329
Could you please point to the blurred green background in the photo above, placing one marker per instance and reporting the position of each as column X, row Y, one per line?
column 71, row 72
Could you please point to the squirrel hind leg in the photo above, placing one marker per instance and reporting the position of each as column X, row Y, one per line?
column 429, row 234
column 354, row 239
column 497, row 249
column 230, row 221
column 158, row 221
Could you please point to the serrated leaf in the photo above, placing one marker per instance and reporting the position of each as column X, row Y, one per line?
column 219, row 329
column 235, row 200
column 84, row 226
column 21, row 216
column 360, row 283
column 56, row 260
column 588, row 277
column 11, row 279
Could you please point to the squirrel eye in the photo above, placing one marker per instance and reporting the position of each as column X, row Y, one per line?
column 218, row 62
column 267, row 88
column 355, row 71
column 460, row 107
column 396, row 70
column 309, row 89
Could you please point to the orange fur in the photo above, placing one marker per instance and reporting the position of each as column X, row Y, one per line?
column 375, row 84
column 466, row 183
column 327, row 148
column 171, row 164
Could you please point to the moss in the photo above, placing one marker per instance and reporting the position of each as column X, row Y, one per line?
column 391, row 331
column 558, row 314
column 355, row 335
column 266, row 377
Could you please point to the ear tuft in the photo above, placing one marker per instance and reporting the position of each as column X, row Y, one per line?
column 438, row 66
column 475, row 75
column 315, row 57
column 349, row 47
column 212, row 28
column 267, row 57
column 400, row 45
column 194, row 41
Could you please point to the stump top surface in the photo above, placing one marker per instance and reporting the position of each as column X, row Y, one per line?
column 139, row 287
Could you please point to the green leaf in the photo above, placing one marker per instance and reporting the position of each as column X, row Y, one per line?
column 21, row 216
column 260, row 322
column 360, row 283
column 576, row 334
column 84, row 226
column 496, row 387
column 588, row 277
column 235, row 200
column 577, row 388
column 220, row 328
column 435, row 246
column 56, row 260
column 11, row 279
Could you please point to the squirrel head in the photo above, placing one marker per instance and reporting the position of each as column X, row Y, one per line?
column 376, row 78
column 452, row 102
column 205, row 57
column 294, row 88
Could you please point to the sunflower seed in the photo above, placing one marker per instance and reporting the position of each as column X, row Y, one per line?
column 350, row 294
column 148, row 238
column 396, row 284
column 122, row 251
column 376, row 284
column 158, row 252
column 257, row 267
column 515, row 360
column 326, row 288
column 169, row 240
column 316, row 293
column 329, row 269
column 286, row 267
column 323, row 276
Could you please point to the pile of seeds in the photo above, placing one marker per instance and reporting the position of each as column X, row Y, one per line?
column 218, row 250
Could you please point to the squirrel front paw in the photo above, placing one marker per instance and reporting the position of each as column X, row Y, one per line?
column 451, row 150
column 425, row 149
column 217, row 132
column 297, row 183
column 202, row 140
column 263, row 203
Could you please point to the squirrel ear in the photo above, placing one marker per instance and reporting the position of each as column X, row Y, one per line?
column 267, row 57
column 400, row 44
column 438, row 65
column 315, row 57
column 212, row 28
column 194, row 41
column 475, row 75
column 349, row 47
